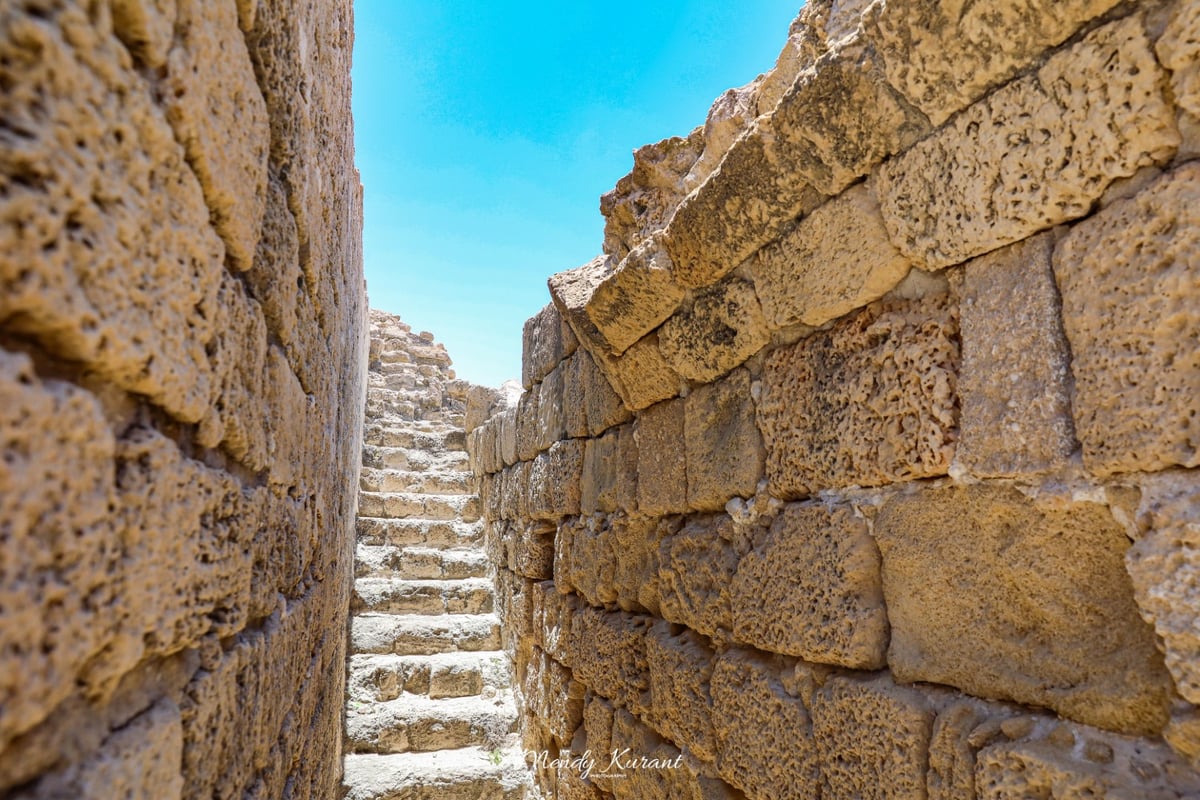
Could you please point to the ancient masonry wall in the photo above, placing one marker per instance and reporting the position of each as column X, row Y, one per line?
column 863, row 461
column 181, row 341
column 430, row 711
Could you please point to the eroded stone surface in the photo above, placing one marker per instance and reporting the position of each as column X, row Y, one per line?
column 723, row 447
column 723, row 328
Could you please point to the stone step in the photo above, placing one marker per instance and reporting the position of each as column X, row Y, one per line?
column 398, row 596
column 418, row 563
column 375, row 678
column 421, row 634
column 444, row 438
column 423, row 482
column 472, row 773
column 430, row 533
column 414, row 722
column 406, row 458
column 410, row 505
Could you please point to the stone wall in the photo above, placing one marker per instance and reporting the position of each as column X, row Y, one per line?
column 181, row 351
column 863, row 462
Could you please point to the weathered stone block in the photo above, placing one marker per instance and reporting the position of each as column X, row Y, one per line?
column 146, row 27
column 696, row 569
column 873, row 738
column 835, row 260
column 811, row 588
column 661, row 473
column 723, row 328
column 1130, row 299
column 635, row 542
column 554, row 481
column 553, row 696
column 506, row 428
column 631, row 301
column 603, row 405
column 533, row 550
column 610, row 472
column 527, row 425
column 649, row 767
column 943, row 59
column 868, row 402
column 574, row 402
column 764, row 735
column 543, row 345
column 1179, row 51
column 723, row 446
column 642, row 201
column 608, row 654
column 1027, row 619
column 1043, row 149
column 553, row 611
column 550, row 424
column 584, row 559
column 572, row 290
column 641, row 375
column 681, row 705
column 1014, row 385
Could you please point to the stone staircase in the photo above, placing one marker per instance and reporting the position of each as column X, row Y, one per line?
column 430, row 712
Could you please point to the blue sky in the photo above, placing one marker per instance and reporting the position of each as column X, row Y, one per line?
column 486, row 132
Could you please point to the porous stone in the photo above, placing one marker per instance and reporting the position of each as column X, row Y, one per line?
column 635, row 545
column 574, row 403
column 696, row 569
column 641, row 376
column 764, row 734
column 1027, row 620
column 554, row 481
column 550, row 424
column 868, row 402
column 1044, row 148
column 681, row 704
column 544, row 345
column 603, row 406
column 572, row 290
column 835, row 260
column 1129, row 294
column 585, row 560
column 872, row 737
column 662, row 475
column 643, row 200
column 609, row 479
column 644, row 766
column 1178, row 49
column 632, row 300
column 146, row 27
column 722, row 445
column 810, row 587
column 527, row 425
column 1014, row 385
column 608, row 654
column 723, row 328
column 553, row 696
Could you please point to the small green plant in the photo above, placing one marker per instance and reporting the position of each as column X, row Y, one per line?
column 495, row 757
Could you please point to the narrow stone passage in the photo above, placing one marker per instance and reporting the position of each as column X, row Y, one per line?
column 430, row 711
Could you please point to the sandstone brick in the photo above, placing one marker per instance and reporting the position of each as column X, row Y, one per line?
column 610, row 472
column 1129, row 293
column 544, row 345
column 506, row 428
column 1014, row 386
column 553, row 696
column 696, row 569
column 723, row 447
column 514, row 499
column 811, row 588
column 635, row 545
column 837, row 259
column 550, row 423
column 872, row 737
column 553, row 612
column 650, row 768
column 585, row 559
column 723, row 328
column 276, row 279
column 218, row 113
column 681, row 704
column 943, row 60
column 764, row 735
column 632, row 300
column 641, row 376
column 1027, row 620
column 661, row 473
column 146, row 27
column 527, row 425
column 608, row 654
column 868, row 402
column 554, row 481
column 572, row 291
column 954, row 743
column 603, row 406
column 1044, row 147
column 1178, row 49
column 576, row 371
column 533, row 550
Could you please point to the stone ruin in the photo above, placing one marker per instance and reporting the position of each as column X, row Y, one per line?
column 863, row 461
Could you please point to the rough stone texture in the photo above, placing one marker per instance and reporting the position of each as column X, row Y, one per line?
column 662, row 475
column 1129, row 290
column 181, row 378
column 631, row 301
column 1177, row 50
column 1009, row 613
column 723, row 328
column 868, row 402
column 1037, row 152
column 835, row 260
column 682, row 706
column 811, row 588
column 547, row 340
column 723, row 447
column 696, row 569
column 640, row 376
column 1014, row 385
column 609, row 480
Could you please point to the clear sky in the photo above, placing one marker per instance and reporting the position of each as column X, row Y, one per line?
column 487, row 131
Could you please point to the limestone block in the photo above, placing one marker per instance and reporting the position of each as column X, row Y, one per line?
column 811, row 588
column 276, row 279
column 608, row 654
column 764, row 735
column 723, row 447
column 957, row 736
column 681, row 704
column 482, row 402
column 696, row 569
column 835, row 260
column 514, row 498
column 610, row 472
column 635, row 543
column 647, row 767
column 572, row 291
column 1129, row 294
column 1014, row 385
column 1037, row 152
column 550, row 424
column 1024, row 619
column 553, row 612
column 146, row 28
column 943, row 59
column 554, row 481
column 1179, row 51
column 506, row 435
column 584, row 559
column 91, row 280
column 868, row 402
column 544, row 345
column 873, row 738
column 641, row 375
column 214, row 104
column 632, row 300
column 603, row 406
column 576, row 371
column 661, row 473
column 1165, row 567
column 527, row 425
column 553, row 696
column 533, row 550
column 723, row 328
